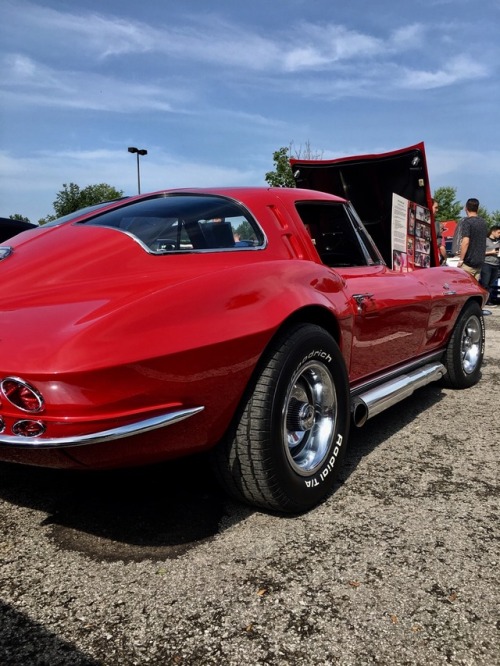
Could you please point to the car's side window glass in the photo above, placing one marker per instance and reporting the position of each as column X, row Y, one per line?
column 185, row 223
column 370, row 249
column 228, row 231
column 333, row 233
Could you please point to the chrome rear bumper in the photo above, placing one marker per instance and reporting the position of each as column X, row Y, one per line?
column 102, row 436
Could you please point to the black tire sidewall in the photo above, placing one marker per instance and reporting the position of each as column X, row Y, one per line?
column 309, row 343
column 457, row 377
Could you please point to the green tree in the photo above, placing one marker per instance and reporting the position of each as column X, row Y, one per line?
column 245, row 231
column 19, row 218
column 484, row 214
column 72, row 198
column 449, row 207
column 282, row 175
column 494, row 217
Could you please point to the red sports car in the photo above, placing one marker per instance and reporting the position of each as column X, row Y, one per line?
column 252, row 322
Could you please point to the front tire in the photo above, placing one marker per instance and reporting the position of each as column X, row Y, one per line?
column 465, row 351
column 288, row 441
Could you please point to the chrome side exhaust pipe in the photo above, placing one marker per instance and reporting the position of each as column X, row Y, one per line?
column 376, row 400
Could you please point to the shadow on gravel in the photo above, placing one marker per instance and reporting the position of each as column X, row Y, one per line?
column 364, row 440
column 23, row 641
column 163, row 511
column 154, row 513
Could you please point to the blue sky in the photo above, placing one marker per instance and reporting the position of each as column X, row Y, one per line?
column 212, row 89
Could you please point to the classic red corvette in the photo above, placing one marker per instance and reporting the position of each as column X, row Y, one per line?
column 255, row 322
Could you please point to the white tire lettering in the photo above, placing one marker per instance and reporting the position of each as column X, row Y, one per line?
column 317, row 353
column 311, row 483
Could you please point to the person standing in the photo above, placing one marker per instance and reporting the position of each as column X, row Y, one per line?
column 457, row 238
column 474, row 231
column 489, row 271
column 439, row 233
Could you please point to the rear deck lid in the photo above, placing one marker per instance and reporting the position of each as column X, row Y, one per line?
column 369, row 182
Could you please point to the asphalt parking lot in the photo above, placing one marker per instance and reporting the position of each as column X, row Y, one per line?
column 156, row 566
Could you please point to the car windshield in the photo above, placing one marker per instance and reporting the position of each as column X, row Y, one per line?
column 184, row 223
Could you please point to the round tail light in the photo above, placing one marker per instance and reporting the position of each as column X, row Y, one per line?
column 28, row 428
column 22, row 395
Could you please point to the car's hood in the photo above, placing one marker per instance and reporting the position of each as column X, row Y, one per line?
column 369, row 181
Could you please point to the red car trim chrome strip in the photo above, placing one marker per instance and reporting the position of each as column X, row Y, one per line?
column 103, row 436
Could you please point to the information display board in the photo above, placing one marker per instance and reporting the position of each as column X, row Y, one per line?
column 411, row 235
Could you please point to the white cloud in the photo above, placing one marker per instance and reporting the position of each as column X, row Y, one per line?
column 473, row 173
column 324, row 45
column 90, row 31
column 47, row 172
column 447, row 161
column 409, row 37
column 299, row 46
column 220, row 90
column 350, row 61
column 456, row 70
column 18, row 71
column 28, row 82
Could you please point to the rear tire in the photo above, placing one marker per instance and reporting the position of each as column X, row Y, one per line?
column 465, row 351
column 288, row 441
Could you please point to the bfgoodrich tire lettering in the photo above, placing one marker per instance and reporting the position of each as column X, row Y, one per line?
column 289, row 439
column 465, row 351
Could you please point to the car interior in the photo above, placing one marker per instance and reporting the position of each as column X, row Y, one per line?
column 332, row 233
column 184, row 223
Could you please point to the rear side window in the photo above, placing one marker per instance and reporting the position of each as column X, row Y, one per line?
column 185, row 223
column 338, row 237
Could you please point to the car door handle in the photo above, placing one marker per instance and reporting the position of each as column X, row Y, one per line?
column 360, row 299
column 447, row 291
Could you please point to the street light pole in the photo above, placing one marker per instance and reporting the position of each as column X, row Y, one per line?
column 133, row 149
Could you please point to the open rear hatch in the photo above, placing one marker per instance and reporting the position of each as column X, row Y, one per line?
column 369, row 181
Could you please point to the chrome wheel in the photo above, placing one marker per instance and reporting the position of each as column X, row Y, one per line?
column 290, row 439
column 465, row 350
column 471, row 344
column 309, row 416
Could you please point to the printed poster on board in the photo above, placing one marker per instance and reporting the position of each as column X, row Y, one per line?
column 411, row 235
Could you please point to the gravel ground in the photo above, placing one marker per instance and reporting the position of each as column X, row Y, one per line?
column 156, row 566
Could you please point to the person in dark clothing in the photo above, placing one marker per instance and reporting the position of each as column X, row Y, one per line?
column 439, row 233
column 457, row 238
column 474, row 231
column 489, row 271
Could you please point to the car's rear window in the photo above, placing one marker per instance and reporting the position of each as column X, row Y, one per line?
column 185, row 223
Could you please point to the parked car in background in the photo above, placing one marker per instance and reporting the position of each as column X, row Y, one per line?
column 251, row 323
column 10, row 228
